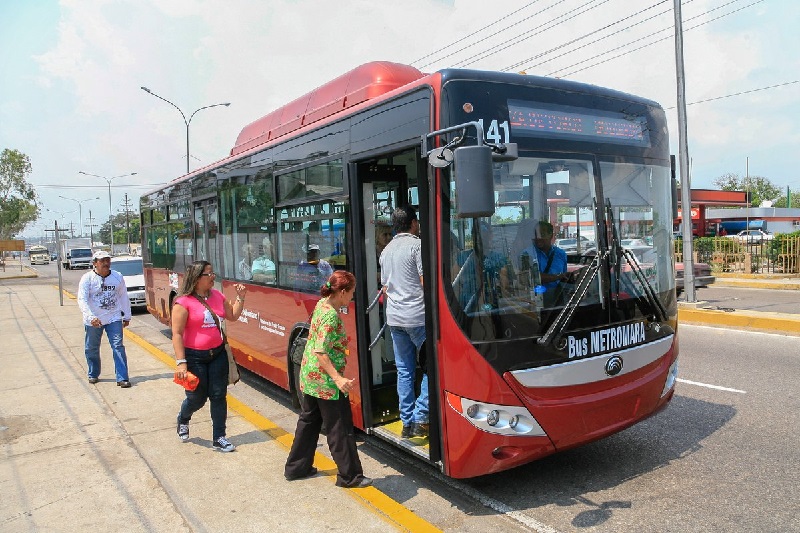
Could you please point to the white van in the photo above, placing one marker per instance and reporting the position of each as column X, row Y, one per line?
column 132, row 270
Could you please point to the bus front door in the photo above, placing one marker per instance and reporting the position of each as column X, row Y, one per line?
column 385, row 184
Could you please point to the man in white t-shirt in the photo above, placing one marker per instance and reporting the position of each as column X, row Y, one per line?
column 401, row 277
column 103, row 300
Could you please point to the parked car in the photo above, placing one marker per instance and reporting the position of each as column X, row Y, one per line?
column 132, row 270
column 702, row 276
column 54, row 257
column 570, row 246
column 752, row 236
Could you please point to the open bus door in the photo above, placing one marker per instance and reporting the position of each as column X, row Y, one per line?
column 384, row 184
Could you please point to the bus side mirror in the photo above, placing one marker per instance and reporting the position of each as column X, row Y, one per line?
column 474, row 179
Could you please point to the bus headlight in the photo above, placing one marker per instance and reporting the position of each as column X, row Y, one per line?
column 511, row 420
column 672, row 375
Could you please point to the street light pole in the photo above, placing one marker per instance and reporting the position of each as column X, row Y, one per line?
column 80, row 210
column 110, row 207
column 183, row 115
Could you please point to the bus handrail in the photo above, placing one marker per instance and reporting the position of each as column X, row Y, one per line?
column 377, row 337
column 375, row 300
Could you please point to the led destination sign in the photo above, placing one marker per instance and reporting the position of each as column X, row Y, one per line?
column 566, row 122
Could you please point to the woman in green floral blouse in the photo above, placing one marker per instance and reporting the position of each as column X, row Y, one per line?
column 325, row 390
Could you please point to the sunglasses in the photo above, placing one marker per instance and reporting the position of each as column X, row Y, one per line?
column 209, row 274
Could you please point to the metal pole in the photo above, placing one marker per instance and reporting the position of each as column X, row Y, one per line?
column 747, row 209
column 110, row 216
column 187, row 147
column 60, row 280
column 683, row 156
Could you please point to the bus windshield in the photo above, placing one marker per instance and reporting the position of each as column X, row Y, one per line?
column 509, row 275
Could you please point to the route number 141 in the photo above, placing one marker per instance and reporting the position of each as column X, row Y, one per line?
column 497, row 132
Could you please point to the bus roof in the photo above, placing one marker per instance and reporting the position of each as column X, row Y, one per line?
column 372, row 81
column 363, row 83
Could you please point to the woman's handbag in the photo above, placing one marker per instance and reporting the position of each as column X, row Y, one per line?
column 233, row 368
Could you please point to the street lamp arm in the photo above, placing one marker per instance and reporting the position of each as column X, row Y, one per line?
column 226, row 104
column 145, row 89
column 110, row 207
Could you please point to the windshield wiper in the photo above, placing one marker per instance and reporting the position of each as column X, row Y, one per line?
column 649, row 292
column 563, row 319
column 618, row 252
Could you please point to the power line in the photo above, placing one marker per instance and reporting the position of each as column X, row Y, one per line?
column 62, row 186
column 740, row 93
column 532, row 32
column 518, row 64
column 496, row 33
column 651, row 43
column 474, row 33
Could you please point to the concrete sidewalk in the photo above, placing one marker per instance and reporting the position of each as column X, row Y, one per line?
column 98, row 457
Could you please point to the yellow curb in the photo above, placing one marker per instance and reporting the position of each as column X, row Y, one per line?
column 746, row 319
column 742, row 275
column 375, row 500
column 748, row 284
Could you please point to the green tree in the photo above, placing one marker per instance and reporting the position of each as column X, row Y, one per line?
column 760, row 187
column 121, row 233
column 781, row 202
column 17, row 196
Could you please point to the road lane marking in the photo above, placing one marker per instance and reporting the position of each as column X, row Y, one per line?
column 376, row 501
column 708, row 386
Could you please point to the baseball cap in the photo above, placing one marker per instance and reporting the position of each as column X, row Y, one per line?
column 100, row 254
column 313, row 247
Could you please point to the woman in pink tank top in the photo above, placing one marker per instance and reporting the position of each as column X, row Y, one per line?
column 199, row 348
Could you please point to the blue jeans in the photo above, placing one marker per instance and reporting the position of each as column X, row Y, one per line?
column 91, row 347
column 213, row 375
column 407, row 341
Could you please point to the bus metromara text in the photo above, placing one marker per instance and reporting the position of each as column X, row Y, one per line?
column 519, row 367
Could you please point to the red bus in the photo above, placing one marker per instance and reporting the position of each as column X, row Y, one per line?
column 518, row 369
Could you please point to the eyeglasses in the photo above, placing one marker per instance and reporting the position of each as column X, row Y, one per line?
column 209, row 274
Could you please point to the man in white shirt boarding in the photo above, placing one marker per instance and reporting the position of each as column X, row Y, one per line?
column 103, row 300
column 401, row 277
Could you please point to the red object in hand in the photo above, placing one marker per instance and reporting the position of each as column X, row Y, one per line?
column 188, row 382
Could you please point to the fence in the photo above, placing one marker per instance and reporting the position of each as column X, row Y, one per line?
column 780, row 255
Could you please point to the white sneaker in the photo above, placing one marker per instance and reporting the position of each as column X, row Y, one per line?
column 224, row 445
column 183, row 432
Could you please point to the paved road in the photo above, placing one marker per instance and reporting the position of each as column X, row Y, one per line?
column 717, row 459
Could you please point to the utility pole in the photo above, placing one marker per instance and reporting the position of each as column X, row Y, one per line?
column 128, row 205
column 91, row 225
column 683, row 156
column 56, row 231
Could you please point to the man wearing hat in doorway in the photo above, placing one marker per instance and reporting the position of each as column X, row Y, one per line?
column 103, row 300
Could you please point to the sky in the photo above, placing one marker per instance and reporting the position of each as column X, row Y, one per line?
column 70, row 94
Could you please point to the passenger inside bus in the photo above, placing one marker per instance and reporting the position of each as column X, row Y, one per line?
column 263, row 268
column 486, row 285
column 312, row 272
column 244, row 269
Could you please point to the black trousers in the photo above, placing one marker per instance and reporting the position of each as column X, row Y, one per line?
column 341, row 440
